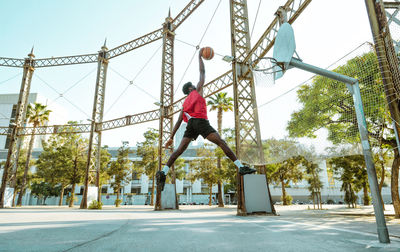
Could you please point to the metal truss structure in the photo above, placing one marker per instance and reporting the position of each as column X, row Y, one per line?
column 240, row 77
column 166, row 99
column 15, row 140
column 392, row 19
column 93, row 162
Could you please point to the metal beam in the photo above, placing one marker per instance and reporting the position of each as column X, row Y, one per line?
column 247, row 127
column 11, row 62
column 166, row 98
column 66, row 60
column 185, row 13
column 391, row 5
column 15, row 140
column 93, row 161
column 136, row 43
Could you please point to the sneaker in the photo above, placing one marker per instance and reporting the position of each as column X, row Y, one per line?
column 246, row 170
column 160, row 180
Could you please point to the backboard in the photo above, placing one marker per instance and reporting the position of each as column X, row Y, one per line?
column 284, row 48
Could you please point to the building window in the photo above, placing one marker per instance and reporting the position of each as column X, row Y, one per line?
column 135, row 190
column 104, row 189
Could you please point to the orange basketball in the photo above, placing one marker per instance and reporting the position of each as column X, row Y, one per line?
column 208, row 53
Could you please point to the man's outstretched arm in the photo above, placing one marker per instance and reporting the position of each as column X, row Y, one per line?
column 176, row 127
column 200, row 85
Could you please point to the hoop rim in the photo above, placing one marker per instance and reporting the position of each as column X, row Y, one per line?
column 274, row 65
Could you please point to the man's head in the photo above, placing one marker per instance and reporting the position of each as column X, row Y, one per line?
column 187, row 88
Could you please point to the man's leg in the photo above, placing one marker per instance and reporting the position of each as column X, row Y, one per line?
column 162, row 175
column 215, row 138
column 182, row 147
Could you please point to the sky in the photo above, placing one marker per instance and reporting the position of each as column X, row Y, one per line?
column 325, row 31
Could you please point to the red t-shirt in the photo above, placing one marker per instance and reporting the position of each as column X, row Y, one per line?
column 194, row 105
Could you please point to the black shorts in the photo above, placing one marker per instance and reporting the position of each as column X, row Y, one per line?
column 198, row 126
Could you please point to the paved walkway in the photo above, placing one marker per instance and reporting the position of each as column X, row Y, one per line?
column 193, row 228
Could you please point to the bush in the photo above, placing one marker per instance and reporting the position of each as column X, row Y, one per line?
column 118, row 202
column 287, row 200
column 330, row 202
column 95, row 205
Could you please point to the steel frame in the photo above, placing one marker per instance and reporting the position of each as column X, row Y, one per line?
column 247, row 127
column 15, row 140
column 239, row 76
column 94, row 150
column 166, row 98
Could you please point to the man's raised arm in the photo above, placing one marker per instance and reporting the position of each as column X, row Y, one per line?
column 200, row 85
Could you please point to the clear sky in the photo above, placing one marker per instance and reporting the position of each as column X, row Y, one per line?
column 324, row 32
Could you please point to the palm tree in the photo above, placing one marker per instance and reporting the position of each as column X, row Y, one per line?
column 37, row 114
column 222, row 103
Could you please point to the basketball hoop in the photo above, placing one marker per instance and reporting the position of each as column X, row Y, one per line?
column 266, row 71
column 269, row 69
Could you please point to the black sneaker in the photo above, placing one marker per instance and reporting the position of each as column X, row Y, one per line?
column 246, row 170
column 160, row 180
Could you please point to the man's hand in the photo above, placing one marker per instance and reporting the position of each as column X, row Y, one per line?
column 169, row 142
column 200, row 52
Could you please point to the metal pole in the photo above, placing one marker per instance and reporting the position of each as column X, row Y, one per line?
column 166, row 99
column 352, row 85
column 95, row 134
column 15, row 143
column 383, row 233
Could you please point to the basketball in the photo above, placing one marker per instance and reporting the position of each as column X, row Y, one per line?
column 208, row 53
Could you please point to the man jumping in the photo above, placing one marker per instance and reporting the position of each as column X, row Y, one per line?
column 194, row 113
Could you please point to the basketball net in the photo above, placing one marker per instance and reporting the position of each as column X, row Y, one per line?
column 265, row 71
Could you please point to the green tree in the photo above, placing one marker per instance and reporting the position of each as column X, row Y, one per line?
column 221, row 103
column 179, row 166
column 66, row 154
column 229, row 169
column 205, row 168
column 148, row 151
column 119, row 171
column 289, row 170
column 51, row 165
column 353, row 174
column 44, row 190
column 37, row 114
column 328, row 104
column 20, row 174
column 314, row 183
column 105, row 158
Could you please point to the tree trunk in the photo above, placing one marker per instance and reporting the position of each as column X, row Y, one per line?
column 320, row 200
column 394, row 183
column 284, row 193
column 313, row 198
column 210, row 200
column 99, row 193
column 152, row 193
column 28, row 159
column 366, row 197
column 61, row 195
column 117, row 200
column 381, row 182
column 71, row 201
column 220, row 199
column 14, row 194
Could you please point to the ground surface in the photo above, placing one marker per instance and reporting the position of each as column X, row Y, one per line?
column 192, row 228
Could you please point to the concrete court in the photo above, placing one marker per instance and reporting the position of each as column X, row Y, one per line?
column 193, row 228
